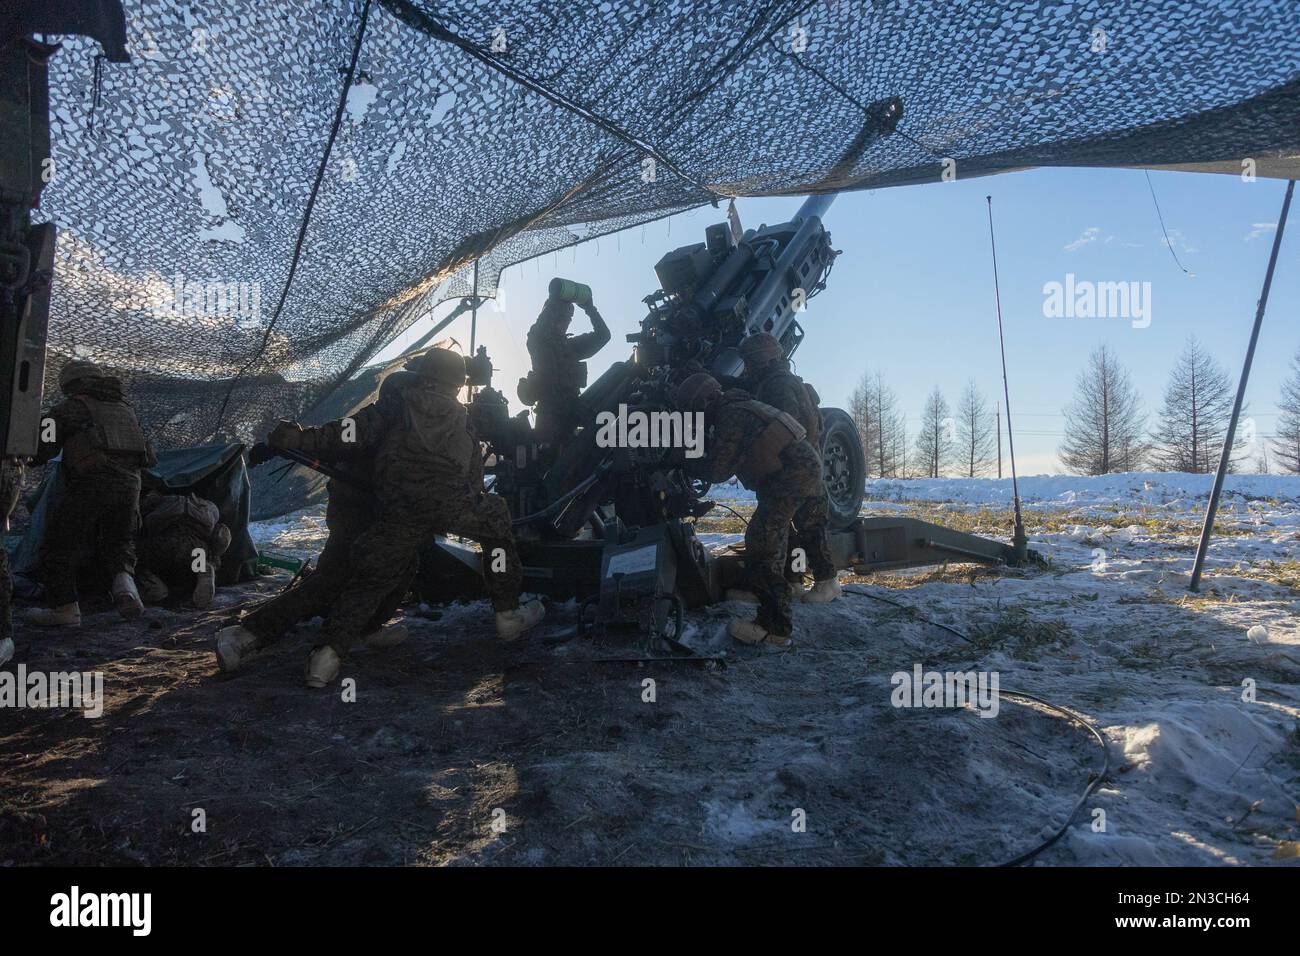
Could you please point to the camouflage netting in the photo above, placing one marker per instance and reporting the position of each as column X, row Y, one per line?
column 508, row 129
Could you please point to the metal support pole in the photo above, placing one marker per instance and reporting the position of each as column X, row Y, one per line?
column 1019, row 540
column 1199, row 564
column 473, row 315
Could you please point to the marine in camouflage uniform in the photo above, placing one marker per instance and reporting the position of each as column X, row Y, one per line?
column 349, row 511
column 103, row 449
column 351, row 508
column 769, row 379
column 559, row 372
column 11, row 481
column 426, row 476
column 766, row 449
column 180, row 532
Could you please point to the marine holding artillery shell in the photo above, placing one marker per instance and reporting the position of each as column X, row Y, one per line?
column 566, row 290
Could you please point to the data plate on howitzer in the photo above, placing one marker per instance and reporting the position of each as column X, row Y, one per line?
column 633, row 562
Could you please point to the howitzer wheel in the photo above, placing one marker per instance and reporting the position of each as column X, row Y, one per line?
column 844, row 467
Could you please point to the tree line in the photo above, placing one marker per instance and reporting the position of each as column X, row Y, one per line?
column 1106, row 428
column 947, row 443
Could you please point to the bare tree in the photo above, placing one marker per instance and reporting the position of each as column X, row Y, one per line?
column 874, row 408
column 934, row 443
column 1263, row 464
column 975, row 440
column 1105, row 427
column 893, row 450
column 862, row 408
column 900, row 462
column 1286, row 444
column 1194, row 417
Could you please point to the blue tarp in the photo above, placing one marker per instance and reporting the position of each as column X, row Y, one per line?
column 215, row 472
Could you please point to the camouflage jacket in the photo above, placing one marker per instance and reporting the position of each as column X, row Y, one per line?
column 779, row 387
column 399, row 443
column 72, row 417
column 346, row 440
column 557, row 357
column 733, row 434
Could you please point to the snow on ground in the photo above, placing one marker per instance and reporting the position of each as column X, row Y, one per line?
column 1168, row 489
column 1198, row 696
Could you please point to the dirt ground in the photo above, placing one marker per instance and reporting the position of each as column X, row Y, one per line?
column 457, row 749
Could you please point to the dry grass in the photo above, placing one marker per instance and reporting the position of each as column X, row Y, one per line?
column 990, row 521
column 1015, row 630
column 1284, row 573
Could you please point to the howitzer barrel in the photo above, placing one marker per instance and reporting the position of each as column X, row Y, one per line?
column 735, row 264
column 741, row 258
column 816, row 206
column 770, row 307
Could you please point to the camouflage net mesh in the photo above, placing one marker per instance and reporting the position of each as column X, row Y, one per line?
column 504, row 130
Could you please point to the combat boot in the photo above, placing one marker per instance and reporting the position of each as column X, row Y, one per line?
column 510, row 624
column 153, row 590
column 235, row 644
column 388, row 636
column 823, row 592
column 126, row 597
column 323, row 667
column 751, row 632
column 204, row 588
column 66, row 615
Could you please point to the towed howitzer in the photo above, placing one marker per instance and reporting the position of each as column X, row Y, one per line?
column 712, row 294
column 611, row 524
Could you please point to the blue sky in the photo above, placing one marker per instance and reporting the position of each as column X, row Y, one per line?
column 912, row 293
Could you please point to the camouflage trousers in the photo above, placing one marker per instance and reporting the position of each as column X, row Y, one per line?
column 169, row 556
column 348, row 514
column 96, row 518
column 811, row 533
column 767, row 553
column 408, row 521
column 11, row 479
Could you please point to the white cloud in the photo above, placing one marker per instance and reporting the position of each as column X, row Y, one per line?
column 1091, row 234
column 1177, row 241
column 1257, row 230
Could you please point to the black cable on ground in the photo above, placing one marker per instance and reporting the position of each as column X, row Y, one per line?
column 1087, row 791
column 912, row 611
column 1055, row 708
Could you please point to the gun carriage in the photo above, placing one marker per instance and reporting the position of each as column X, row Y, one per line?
column 615, row 526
